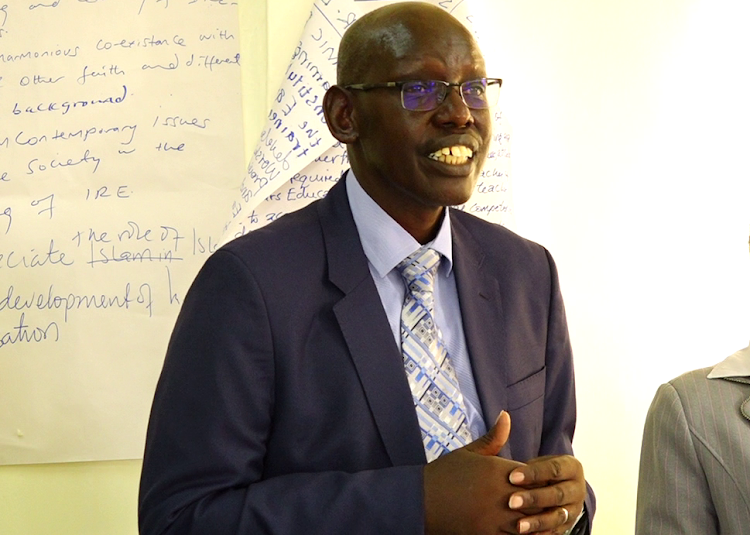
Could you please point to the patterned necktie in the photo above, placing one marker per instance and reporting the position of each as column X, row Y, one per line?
column 437, row 397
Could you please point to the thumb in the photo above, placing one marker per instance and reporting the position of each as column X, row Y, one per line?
column 493, row 441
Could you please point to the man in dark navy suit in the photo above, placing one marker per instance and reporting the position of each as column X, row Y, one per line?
column 287, row 404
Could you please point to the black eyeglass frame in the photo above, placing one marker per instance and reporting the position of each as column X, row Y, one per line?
column 447, row 85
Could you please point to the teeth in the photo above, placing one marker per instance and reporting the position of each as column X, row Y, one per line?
column 455, row 155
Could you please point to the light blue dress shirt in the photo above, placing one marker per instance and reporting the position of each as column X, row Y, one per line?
column 386, row 244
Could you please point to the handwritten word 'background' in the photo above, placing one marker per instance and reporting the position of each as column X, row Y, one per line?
column 120, row 155
column 297, row 160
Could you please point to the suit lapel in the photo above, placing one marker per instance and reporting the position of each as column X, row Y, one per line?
column 367, row 333
column 482, row 316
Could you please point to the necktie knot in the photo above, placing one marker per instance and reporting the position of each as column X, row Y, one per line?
column 419, row 268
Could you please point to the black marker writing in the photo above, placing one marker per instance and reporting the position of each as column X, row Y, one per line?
column 65, row 107
column 115, row 255
column 146, row 42
column 104, row 192
column 51, row 257
column 7, row 213
column 111, row 70
column 35, row 166
column 60, row 52
column 67, row 302
column 21, row 333
column 175, row 121
column 38, row 79
column 53, row 4
column 221, row 35
column 173, row 298
column 168, row 67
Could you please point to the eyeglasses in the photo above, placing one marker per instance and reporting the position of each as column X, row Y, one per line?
column 426, row 95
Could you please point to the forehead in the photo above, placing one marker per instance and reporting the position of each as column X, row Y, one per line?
column 421, row 50
column 448, row 61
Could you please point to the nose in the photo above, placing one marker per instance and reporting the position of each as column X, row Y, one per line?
column 453, row 111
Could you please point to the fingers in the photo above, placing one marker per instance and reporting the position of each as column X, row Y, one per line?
column 493, row 441
column 547, row 470
column 472, row 490
column 566, row 493
column 557, row 520
column 553, row 485
column 467, row 490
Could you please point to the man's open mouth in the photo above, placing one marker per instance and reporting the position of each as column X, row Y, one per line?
column 455, row 155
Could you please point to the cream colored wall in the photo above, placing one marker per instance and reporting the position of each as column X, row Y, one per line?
column 629, row 164
column 254, row 51
column 69, row 499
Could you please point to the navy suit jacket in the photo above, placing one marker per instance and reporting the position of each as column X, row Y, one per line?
column 283, row 406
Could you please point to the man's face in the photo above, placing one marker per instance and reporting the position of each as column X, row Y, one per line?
column 396, row 155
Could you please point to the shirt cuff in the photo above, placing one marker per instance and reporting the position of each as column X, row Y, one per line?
column 579, row 528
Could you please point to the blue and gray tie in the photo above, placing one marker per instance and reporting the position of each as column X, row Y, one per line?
column 437, row 396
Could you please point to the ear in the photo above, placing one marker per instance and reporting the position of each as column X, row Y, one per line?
column 338, row 107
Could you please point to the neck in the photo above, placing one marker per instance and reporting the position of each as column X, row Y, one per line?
column 419, row 219
column 423, row 227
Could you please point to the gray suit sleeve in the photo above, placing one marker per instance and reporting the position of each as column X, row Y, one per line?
column 673, row 493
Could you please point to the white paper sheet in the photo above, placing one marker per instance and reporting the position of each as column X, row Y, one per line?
column 120, row 152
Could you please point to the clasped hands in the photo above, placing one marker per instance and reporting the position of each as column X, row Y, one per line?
column 472, row 491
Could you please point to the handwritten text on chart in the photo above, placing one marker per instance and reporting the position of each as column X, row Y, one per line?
column 91, row 130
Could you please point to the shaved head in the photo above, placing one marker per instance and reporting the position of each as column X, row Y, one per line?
column 389, row 32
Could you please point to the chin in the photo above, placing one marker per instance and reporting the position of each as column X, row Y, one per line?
column 454, row 198
column 459, row 194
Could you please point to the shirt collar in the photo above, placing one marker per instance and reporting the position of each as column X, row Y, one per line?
column 736, row 365
column 384, row 241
